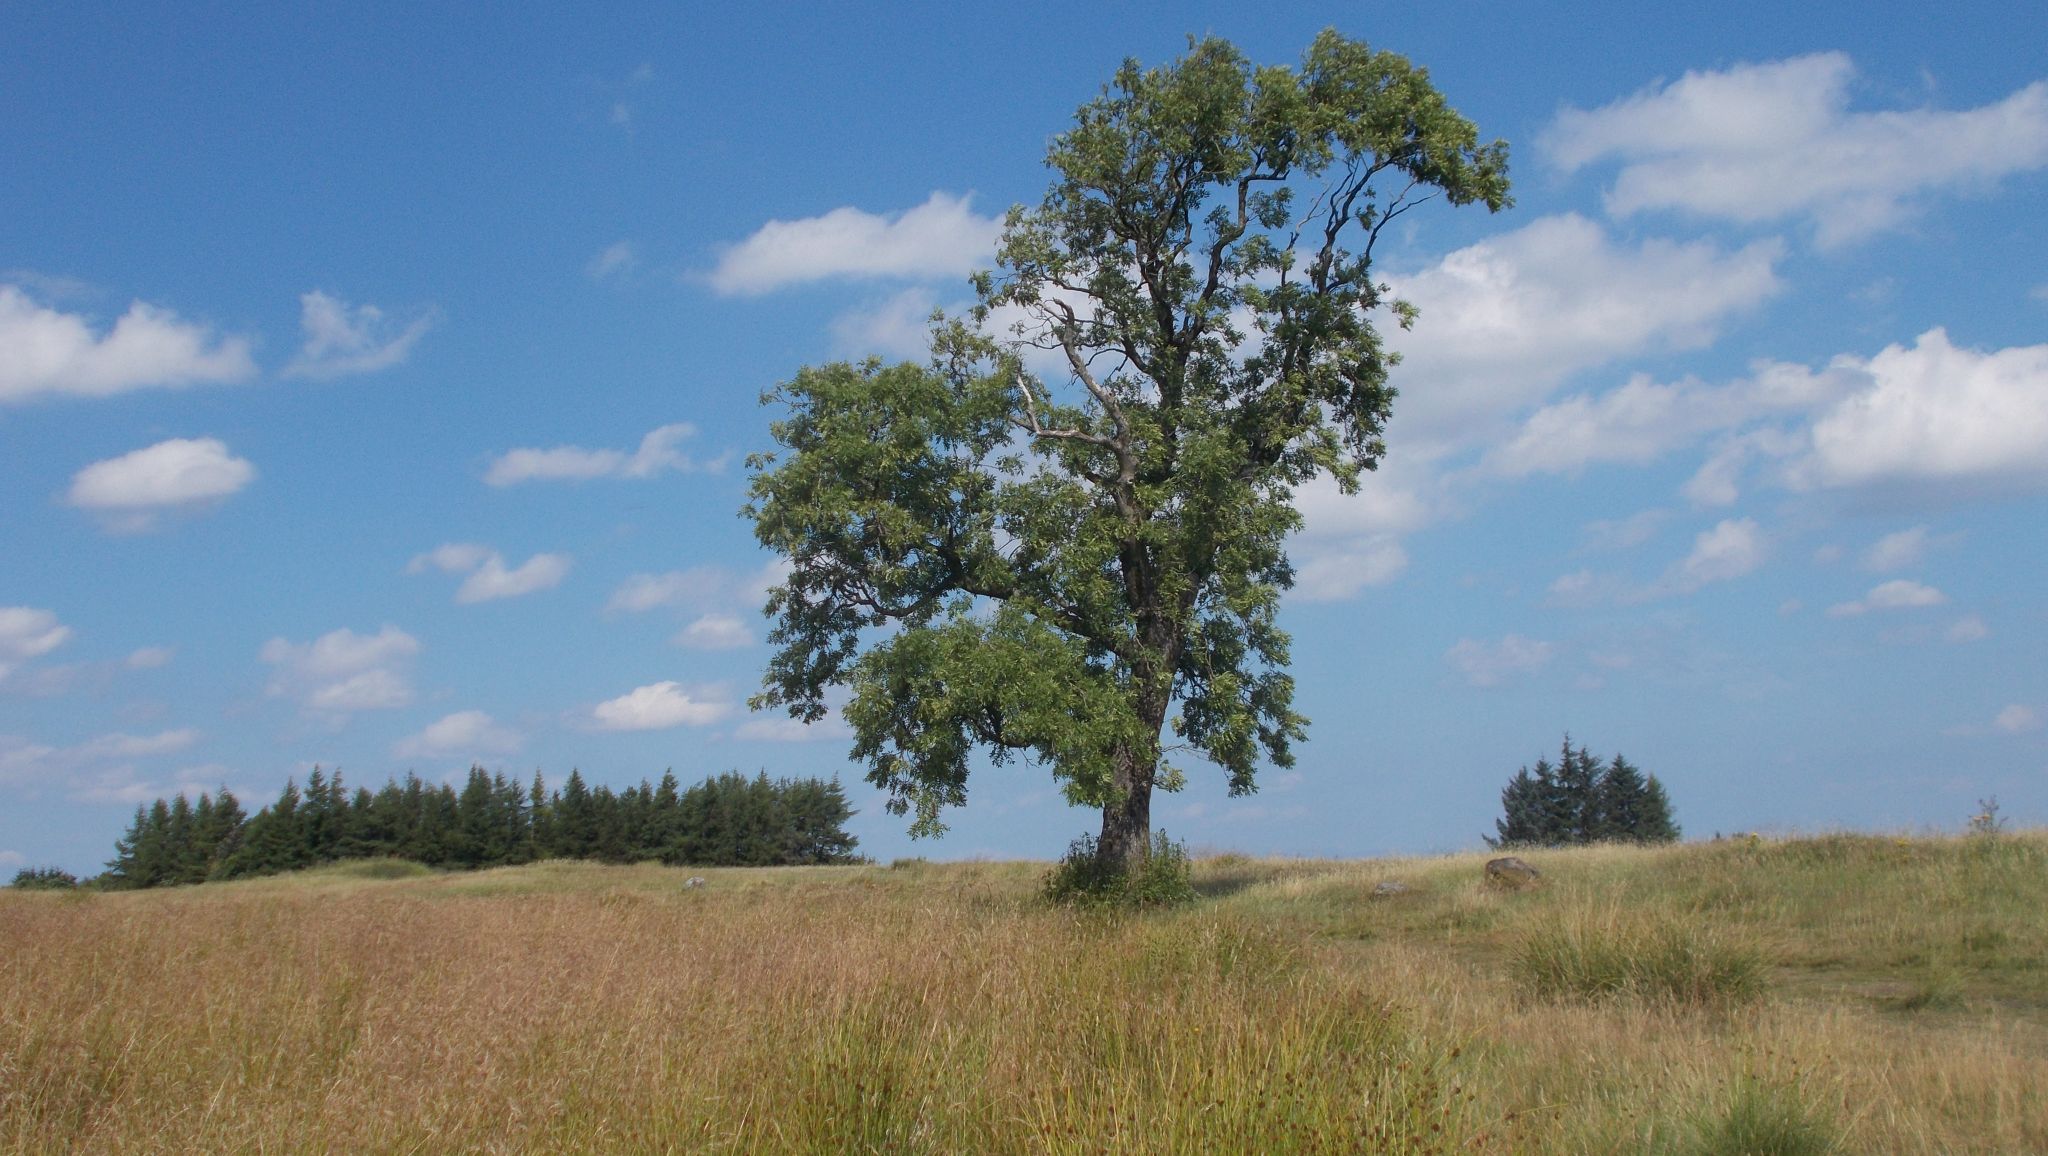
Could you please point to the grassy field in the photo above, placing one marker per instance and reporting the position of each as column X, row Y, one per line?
column 1836, row 994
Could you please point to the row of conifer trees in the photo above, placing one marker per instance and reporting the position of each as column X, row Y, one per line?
column 1581, row 800
column 728, row 820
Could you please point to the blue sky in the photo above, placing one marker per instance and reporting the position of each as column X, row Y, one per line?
column 375, row 385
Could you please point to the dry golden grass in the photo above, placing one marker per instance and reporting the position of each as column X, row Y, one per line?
column 942, row 1008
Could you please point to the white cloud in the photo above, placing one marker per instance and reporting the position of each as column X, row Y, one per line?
column 149, row 658
column 1491, row 663
column 1765, row 142
column 1333, row 572
column 656, row 707
column 616, row 260
column 642, row 592
column 1505, row 321
column 489, row 579
column 492, row 580
column 2017, row 719
column 342, row 671
column 1731, row 549
column 941, row 238
column 12, row 859
column 466, row 734
column 1898, row 594
column 898, row 327
column 1643, row 420
column 341, row 339
column 44, row 352
column 102, row 769
column 715, row 632
column 1934, row 412
column 27, row 633
column 1967, row 629
column 370, row 690
column 131, row 490
column 1350, row 542
column 657, row 454
column 1897, row 551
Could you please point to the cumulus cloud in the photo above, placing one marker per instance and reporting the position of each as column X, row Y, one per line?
column 342, row 339
column 657, row 454
column 1898, row 594
column 464, row 734
column 131, row 491
column 657, row 707
column 1351, row 542
column 943, row 237
column 1505, row 321
column 1729, row 550
column 1766, row 142
column 48, row 353
column 1934, row 412
column 342, row 672
column 1491, row 663
column 715, row 632
column 489, row 578
column 27, row 633
column 1931, row 412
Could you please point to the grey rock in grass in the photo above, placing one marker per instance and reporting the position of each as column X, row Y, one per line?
column 1387, row 887
column 694, row 881
column 1508, row 871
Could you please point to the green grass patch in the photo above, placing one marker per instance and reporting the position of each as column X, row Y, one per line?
column 1587, row 954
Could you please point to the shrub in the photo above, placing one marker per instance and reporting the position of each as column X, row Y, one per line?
column 1084, row 879
column 44, row 879
column 1585, row 956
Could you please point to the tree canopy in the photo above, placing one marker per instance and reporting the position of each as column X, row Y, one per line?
column 1580, row 801
column 1071, row 523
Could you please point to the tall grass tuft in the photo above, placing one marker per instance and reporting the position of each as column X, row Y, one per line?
column 1756, row 1116
column 1589, row 955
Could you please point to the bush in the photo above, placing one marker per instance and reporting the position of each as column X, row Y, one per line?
column 1588, row 957
column 1759, row 1117
column 1083, row 879
column 44, row 879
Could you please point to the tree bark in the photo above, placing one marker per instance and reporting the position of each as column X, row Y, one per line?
column 1127, row 824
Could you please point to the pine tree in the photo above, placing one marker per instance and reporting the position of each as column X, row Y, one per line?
column 1580, row 801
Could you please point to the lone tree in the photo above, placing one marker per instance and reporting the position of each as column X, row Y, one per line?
column 1073, row 520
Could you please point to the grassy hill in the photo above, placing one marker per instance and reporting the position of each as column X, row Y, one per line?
column 1843, row 993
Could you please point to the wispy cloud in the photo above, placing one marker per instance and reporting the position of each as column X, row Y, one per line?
column 489, row 579
column 27, row 633
column 656, row 455
column 1898, row 594
column 1492, row 663
column 342, row 339
column 342, row 672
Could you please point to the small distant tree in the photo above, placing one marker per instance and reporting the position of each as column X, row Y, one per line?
column 1581, row 801
column 44, row 879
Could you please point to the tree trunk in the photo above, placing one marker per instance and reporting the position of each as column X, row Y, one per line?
column 1127, row 825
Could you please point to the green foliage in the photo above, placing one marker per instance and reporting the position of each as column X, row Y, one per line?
column 1087, row 878
column 1758, row 1116
column 1047, row 567
column 1586, row 955
column 43, row 879
column 492, row 822
column 1580, row 801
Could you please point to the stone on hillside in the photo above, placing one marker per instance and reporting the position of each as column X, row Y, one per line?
column 1386, row 887
column 694, row 881
column 1509, row 871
